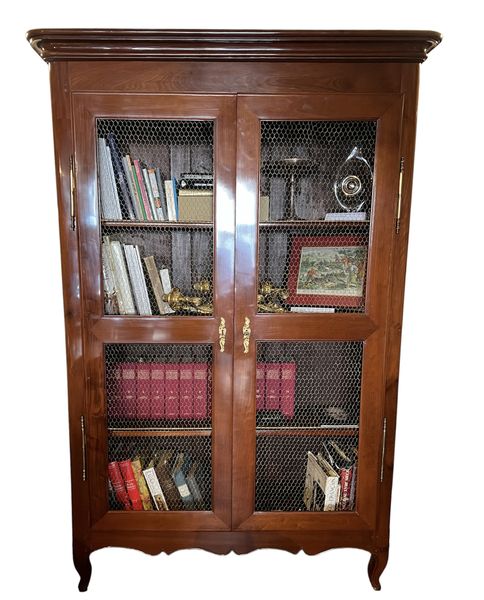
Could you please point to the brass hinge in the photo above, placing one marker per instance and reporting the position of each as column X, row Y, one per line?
column 83, row 444
column 383, row 449
column 400, row 188
column 72, row 180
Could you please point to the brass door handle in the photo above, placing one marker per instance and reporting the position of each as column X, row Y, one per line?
column 246, row 334
column 222, row 332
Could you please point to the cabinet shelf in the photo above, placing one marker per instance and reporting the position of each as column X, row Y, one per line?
column 316, row 431
column 205, row 432
column 158, row 224
column 312, row 224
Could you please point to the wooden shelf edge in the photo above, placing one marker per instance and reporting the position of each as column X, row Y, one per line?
column 300, row 431
column 158, row 224
column 160, row 432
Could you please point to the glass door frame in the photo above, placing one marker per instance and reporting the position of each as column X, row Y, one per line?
column 369, row 327
column 100, row 329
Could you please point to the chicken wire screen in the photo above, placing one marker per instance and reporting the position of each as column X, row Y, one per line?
column 316, row 194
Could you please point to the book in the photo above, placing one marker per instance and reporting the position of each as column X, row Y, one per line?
column 137, row 279
column 156, row 492
column 157, row 390
column 200, row 390
column 161, row 188
column 131, row 485
column 126, row 400
column 110, row 206
column 288, row 388
column 111, row 304
column 142, row 189
column 168, row 486
column 115, row 256
column 149, row 191
column 181, row 482
column 155, row 281
column 263, row 209
column 192, row 483
column 118, row 484
column 343, row 464
column 175, row 198
column 143, row 391
column 321, row 485
column 120, row 177
column 172, row 391
column 140, row 480
column 186, row 390
column 156, row 193
column 273, row 387
column 345, row 216
column 165, row 281
column 170, row 200
column 129, row 173
column 260, row 393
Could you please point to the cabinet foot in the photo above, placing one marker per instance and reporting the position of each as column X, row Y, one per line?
column 376, row 566
column 83, row 566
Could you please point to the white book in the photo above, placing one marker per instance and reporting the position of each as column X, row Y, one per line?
column 108, row 205
column 149, row 191
column 155, row 489
column 142, row 283
column 170, row 200
column 165, row 281
column 134, row 277
column 346, row 216
column 134, row 196
column 328, row 481
column 108, row 280
column 121, row 279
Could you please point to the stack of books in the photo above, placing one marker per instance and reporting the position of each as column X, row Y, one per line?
column 167, row 483
column 275, row 387
column 132, row 190
column 139, row 390
column 125, row 285
column 330, row 483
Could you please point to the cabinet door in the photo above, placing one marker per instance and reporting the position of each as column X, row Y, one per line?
column 156, row 264
column 317, row 186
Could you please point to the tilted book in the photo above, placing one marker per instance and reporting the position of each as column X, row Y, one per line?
column 142, row 189
column 181, row 482
column 121, row 278
column 119, row 487
column 156, row 492
column 110, row 206
column 131, row 485
column 140, row 480
column 193, row 484
column 155, row 280
column 167, row 484
column 120, row 176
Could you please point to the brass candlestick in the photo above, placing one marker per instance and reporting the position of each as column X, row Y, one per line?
column 271, row 299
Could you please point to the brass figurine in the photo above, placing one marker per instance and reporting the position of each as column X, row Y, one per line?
column 197, row 305
column 271, row 299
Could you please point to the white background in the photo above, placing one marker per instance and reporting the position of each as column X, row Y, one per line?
column 437, row 516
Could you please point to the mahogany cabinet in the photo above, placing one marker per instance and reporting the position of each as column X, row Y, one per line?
column 234, row 211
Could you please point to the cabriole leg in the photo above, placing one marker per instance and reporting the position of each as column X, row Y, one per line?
column 83, row 565
column 376, row 566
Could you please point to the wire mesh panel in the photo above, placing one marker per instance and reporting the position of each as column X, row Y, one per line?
column 158, row 385
column 159, row 415
column 155, row 184
column 307, row 401
column 159, row 473
column 316, row 192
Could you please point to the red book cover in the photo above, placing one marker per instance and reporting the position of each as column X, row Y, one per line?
column 186, row 391
column 157, row 391
column 172, row 391
column 345, row 476
column 273, row 386
column 143, row 389
column 127, row 397
column 200, row 386
column 131, row 485
column 288, row 388
column 117, row 482
column 260, row 394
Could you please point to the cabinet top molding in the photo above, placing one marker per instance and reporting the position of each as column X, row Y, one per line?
column 286, row 45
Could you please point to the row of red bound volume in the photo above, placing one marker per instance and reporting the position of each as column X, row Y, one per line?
column 276, row 386
column 141, row 390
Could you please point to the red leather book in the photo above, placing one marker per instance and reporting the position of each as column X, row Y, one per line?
column 131, row 485
column 186, row 390
column 127, row 396
column 113, row 390
column 273, row 386
column 172, row 391
column 117, row 482
column 143, row 389
column 157, row 390
column 260, row 393
column 345, row 476
column 288, row 388
column 200, row 387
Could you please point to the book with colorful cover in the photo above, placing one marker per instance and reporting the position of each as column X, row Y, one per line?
column 119, row 486
column 140, row 480
column 131, row 485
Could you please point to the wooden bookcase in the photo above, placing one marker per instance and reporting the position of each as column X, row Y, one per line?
column 285, row 336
